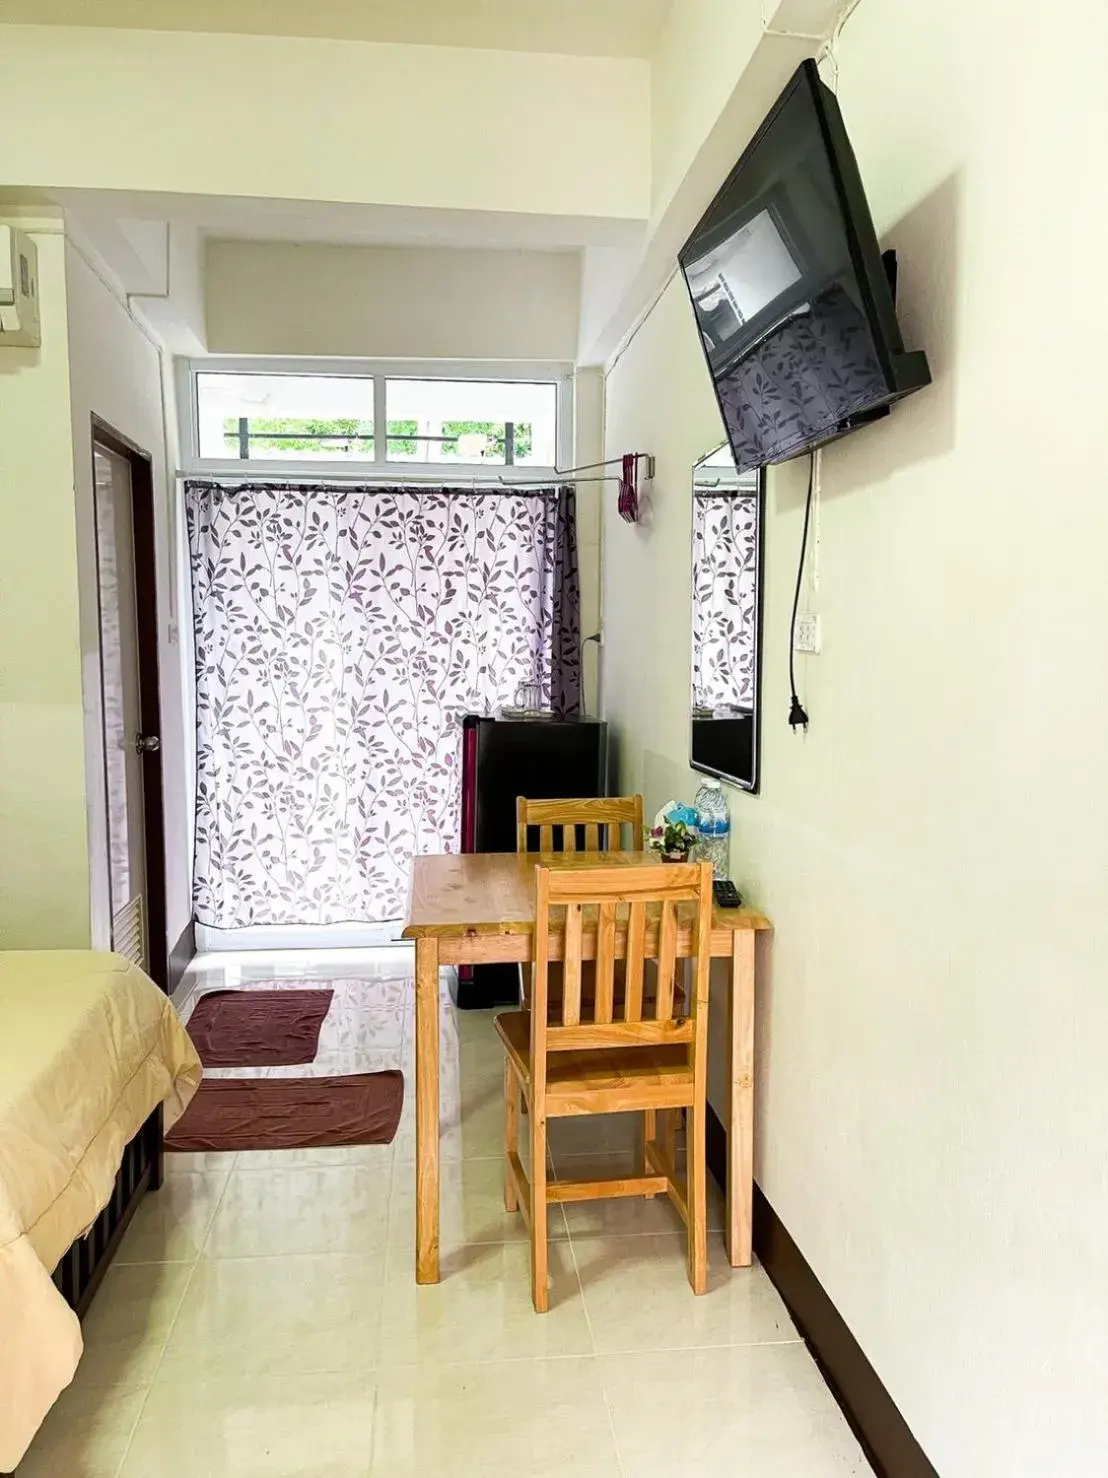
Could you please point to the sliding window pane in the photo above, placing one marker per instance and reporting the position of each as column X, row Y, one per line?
column 497, row 422
column 271, row 418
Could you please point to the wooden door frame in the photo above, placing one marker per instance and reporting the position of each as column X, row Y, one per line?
column 146, row 611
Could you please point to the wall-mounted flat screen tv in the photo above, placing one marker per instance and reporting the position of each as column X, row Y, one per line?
column 793, row 301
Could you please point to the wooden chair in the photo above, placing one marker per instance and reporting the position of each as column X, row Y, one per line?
column 558, row 826
column 594, row 817
column 640, row 1057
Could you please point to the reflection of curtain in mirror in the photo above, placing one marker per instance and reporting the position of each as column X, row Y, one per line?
column 725, row 576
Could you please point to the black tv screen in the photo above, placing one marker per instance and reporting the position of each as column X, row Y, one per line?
column 793, row 302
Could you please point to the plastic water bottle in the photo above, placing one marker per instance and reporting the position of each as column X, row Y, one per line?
column 713, row 820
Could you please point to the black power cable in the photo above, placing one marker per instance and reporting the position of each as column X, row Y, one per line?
column 798, row 717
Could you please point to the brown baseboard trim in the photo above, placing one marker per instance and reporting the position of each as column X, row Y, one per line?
column 180, row 955
column 872, row 1413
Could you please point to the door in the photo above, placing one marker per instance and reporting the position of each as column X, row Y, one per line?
column 128, row 669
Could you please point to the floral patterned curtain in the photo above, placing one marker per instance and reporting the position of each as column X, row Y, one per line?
column 341, row 635
column 725, row 599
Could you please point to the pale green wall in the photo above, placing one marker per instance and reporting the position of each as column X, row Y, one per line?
column 933, row 1016
column 44, row 881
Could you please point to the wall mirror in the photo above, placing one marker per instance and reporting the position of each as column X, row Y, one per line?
column 726, row 619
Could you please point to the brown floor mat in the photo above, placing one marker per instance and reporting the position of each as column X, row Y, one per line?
column 290, row 1113
column 258, row 1028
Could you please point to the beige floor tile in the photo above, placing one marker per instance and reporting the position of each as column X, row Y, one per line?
column 277, row 1316
column 626, row 1216
column 302, row 1426
column 471, row 1124
column 356, row 1025
column 464, row 1026
column 590, row 1134
column 529, row 1419
column 481, row 1310
column 171, row 1223
column 307, row 1208
column 127, row 1327
column 478, row 1055
column 344, row 1063
column 342, row 1157
column 471, row 1199
column 215, row 1162
column 638, row 1297
column 303, row 1346
column 760, row 1410
column 364, row 1031
column 83, row 1440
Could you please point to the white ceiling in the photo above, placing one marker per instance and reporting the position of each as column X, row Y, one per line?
column 114, row 218
column 153, row 243
column 626, row 28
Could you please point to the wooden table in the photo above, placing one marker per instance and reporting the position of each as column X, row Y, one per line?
column 479, row 908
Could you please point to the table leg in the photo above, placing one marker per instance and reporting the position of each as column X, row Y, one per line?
column 740, row 1130
column 427, row 1110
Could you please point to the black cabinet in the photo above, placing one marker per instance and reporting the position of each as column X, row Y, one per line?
column 544, row 759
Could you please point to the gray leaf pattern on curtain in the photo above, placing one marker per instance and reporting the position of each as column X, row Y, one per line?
column 341, row 635
column 725, row 599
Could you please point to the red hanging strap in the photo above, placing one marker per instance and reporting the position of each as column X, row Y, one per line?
column 628, row 489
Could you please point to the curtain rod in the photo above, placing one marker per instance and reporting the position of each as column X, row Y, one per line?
column 359, row 483
column 608, row 462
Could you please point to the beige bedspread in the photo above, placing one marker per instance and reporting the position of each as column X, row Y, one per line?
column 89, row 1046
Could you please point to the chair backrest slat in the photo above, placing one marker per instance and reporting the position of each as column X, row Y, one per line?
column 614, row 912
column 571, row 969
column 636, row 962
column 667, row 961
column 541, row 968
column 605, row 963
column 601, row 819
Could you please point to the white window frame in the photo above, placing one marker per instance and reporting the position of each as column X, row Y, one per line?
column 379, row 470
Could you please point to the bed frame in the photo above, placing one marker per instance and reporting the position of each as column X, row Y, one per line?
column 82, row 1268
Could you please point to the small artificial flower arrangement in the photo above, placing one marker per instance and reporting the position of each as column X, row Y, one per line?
column 673, row 833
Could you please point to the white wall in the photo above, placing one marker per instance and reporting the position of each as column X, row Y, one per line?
column 703, row 48
column 44, row 886
column 293, row 118
column 933, row 1018
column 716, row 70
column 391, row 302
column 116, row 374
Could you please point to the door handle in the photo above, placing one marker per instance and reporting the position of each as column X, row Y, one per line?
column 147, row 744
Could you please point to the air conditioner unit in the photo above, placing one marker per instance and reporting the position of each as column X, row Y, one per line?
column 19, row 322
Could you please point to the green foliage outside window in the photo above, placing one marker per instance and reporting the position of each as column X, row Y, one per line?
column 494, row 432
column 403, row 440
column 400, row 438
column 316, row 437
column 298, row 434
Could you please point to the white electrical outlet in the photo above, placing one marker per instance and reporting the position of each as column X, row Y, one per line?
column 808, row 634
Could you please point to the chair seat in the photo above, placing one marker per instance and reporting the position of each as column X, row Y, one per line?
column 604, row 1080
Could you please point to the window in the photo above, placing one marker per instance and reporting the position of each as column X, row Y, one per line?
column 277, row 417
column 472, row 421
column 376, row 418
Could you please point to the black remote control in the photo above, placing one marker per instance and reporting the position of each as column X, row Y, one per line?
column 727, row 895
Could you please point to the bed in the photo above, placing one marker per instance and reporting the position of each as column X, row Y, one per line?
column 92, row 1055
